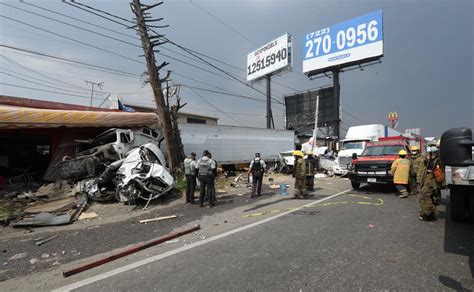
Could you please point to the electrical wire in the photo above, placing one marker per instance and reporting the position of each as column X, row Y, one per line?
column 50, row 91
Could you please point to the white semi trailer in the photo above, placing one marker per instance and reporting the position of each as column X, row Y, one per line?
column 234, row 145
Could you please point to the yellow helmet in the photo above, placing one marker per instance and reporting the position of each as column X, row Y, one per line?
column 414, row 148
column 298, row 153
column 402, row 152
column 309, row 152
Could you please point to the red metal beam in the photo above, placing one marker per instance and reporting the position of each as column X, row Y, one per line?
column 135, row 248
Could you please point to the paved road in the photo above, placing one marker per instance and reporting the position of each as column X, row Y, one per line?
column 350, row 242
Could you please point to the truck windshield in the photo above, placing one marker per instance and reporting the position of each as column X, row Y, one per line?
column 382, row 150
column 352, row 145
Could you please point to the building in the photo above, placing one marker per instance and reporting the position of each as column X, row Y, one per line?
column 32, row 130
column 183, row 117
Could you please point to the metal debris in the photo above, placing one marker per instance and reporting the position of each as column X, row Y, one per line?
column 45, row 240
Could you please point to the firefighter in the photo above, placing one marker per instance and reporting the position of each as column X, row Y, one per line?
column 205, row 169
column 299, row 173
column 190, row 167
column 431, row 179
column 401, row 170
column 416, row 160
column 257, row 168
column 310, row 167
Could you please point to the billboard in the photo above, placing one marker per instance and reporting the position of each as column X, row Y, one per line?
column 300, row 109
column 269, row 58
column 346, row 43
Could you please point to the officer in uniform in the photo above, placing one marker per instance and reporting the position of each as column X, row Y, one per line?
column 205, row 168
column 310, row 166
column 212, row 181
column 299, row 173
column 257, row 168
column 401, row 170
column 416, row 161
column 190, row 167
column 431, row 179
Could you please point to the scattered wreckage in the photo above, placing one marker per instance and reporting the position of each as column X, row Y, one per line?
column 115, row 166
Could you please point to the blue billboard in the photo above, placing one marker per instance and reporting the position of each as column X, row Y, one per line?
column 346, row 42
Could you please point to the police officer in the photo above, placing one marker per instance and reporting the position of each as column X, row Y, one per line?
column 190, row 167
column 401, row 170
column 310, row 166
column 212, row 181
column 257, row 168
column 416, row 161
column 431, row 179
column 205, row 168
column 299, row 173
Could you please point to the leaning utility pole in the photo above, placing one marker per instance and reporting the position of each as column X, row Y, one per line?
column 149, row 43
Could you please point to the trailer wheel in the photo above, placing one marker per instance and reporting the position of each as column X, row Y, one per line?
column 355, row 184
column 458, row 203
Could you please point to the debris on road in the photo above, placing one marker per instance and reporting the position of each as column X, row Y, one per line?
column 44, row 240
column 128, row 251
column 158, row 219
column 18, row 256
column 34, row 261
column 87, row 216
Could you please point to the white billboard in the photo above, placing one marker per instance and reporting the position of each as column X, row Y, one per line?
column 269, row 58
column 344, row 43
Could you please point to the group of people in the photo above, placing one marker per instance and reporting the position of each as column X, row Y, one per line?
column 419, row 174
column 204, row 169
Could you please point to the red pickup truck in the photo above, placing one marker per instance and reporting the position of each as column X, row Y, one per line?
column 373, row 165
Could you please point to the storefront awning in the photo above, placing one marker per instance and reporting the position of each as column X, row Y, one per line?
column 23, row 117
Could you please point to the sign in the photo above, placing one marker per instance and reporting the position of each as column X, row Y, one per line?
column 269, row 58
column 348, row 42
column 300, row 108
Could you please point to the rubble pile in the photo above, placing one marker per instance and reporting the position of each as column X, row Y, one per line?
column 100, row 174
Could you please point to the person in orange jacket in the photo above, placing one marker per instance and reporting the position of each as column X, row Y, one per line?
column 401, row 172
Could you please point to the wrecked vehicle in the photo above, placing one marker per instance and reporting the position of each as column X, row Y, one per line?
column 141, row 174
column 92, row 156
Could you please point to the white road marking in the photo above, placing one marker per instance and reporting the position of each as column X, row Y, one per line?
column 158, row 257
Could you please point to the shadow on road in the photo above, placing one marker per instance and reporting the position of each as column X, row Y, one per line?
column 458, row 239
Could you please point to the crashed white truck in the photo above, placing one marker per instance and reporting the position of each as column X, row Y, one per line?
column 118, row 163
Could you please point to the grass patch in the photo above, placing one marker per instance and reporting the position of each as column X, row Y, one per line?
column 180, row 183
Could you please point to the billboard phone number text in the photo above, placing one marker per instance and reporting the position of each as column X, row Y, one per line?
column 279, row 56
column 346, row 38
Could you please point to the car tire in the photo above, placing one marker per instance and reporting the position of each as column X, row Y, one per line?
column 355, row 185
column 458, row 203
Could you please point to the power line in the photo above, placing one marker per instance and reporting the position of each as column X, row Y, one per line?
column 100, row 68
column 222, row 22
column 71, row 85
column 74, row 40
column 44, row 90
column 105, row 12
column 205, row 100
column 79, row 20
column 68, row 3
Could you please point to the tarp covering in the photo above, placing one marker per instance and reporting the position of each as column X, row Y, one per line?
column 22, row 117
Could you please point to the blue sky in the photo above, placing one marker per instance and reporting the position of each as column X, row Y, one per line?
column 426, row 74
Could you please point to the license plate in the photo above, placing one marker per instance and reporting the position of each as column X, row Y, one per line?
column 371, row 180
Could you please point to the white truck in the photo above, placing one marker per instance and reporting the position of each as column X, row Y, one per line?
column 235, row 145
column 457, row 154
column 355, row 142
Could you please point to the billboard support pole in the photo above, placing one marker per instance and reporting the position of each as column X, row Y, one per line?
column 269, row 100
column 335, row 75
column 315, row 131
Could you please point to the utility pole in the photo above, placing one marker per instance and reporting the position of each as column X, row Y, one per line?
column 336, row 93
column 315, row 131
column 100, row 85
column 149, row 43
column 269, row 102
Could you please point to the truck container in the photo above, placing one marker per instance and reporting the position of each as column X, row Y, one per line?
column 235, row 145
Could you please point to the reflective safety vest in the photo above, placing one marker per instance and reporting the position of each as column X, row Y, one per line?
column 204, row 166
column 189, row 166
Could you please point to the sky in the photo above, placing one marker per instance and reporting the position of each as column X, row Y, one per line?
column 426, row 74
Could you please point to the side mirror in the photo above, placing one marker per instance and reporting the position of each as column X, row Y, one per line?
column 354, row 156
column 456, row 147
